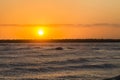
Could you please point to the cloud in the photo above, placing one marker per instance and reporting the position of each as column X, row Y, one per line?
column 66, row 25
column 103, row 24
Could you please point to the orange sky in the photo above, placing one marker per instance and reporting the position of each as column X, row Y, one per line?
column 99, row 18
column 59, row 32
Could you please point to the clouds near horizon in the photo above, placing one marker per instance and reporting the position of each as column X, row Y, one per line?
column 64, row 18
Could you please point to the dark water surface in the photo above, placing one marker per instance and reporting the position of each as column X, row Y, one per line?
column 59, row 61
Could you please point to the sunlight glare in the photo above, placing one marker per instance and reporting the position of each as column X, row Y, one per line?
column 41, row 32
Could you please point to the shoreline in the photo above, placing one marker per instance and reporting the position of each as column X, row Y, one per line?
column 60, row 41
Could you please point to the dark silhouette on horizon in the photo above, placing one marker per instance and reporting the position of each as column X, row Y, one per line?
column 58, row 40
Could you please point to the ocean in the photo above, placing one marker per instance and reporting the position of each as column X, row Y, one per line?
column 59, row 61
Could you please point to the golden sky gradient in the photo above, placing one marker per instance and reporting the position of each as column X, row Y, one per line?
column 99, row 19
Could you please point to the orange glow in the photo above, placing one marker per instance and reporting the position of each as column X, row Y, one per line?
column 41, row 32
column 32, row 19
column 49, row 32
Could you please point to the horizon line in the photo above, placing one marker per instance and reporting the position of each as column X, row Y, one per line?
column 58, row 40
column 69, row 39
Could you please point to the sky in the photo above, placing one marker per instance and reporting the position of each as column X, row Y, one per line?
column 59, row 19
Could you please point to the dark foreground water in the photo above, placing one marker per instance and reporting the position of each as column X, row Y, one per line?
column 42, row 61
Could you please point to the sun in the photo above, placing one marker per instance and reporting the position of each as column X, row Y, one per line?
column 41, row 32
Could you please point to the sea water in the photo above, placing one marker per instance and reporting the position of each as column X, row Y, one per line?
column 44, row 61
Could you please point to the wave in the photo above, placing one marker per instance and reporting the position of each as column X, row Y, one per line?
column 117, row 48
column 71, row 61
column 14, row 48
column 12, row 65
column 20, row 70
column 6, row 57
column 32, row 79
column 69, row 77
column 114, row 78
column 19, row 60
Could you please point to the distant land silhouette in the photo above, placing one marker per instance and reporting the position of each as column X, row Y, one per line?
column 59, row 40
